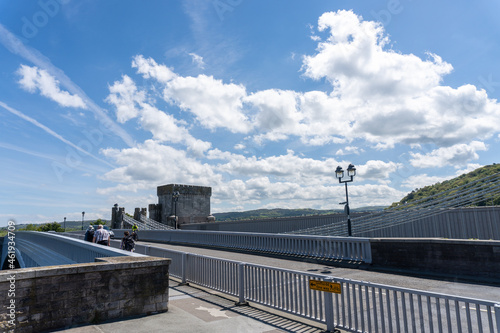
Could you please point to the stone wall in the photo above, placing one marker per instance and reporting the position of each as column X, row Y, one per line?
column 54, row 297
column 448, row 257
column 193, row 204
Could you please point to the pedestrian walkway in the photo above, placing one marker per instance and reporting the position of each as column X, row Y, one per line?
column 397, row 279
column 196, row 310
column 193, row 309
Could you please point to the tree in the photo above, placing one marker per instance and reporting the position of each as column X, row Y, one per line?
column 31, row 227
column 51, row 226
column 98, row 221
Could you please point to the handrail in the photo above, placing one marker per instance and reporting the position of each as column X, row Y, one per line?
column 320, row 247
column 47, row 249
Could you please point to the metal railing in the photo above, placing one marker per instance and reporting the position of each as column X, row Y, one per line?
column 472, row 193
column 130, row 221
column 154, row 225
column 145, row 223
column 319, row 247
column 34, row 249
column 360, row 307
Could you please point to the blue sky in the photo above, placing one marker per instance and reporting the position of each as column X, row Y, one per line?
column 103, row 101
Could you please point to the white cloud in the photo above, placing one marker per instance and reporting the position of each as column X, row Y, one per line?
column 386, row 97
column 350, row 150
column 376, row 170
column 150, row 69
column 353, row 57
column 289, row 166
column 33, row 79
column 215, row 104
column 418, row 181
column 458, row 154
column 152, row 163
column 131, row 103
column 197, row 60
column 124, row 96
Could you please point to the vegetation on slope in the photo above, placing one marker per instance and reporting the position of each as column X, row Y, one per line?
column 449, row 185
column 278, row 212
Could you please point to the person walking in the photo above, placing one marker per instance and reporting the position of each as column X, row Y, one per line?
column 128, row 243
column 101, row 236
column 89, row 234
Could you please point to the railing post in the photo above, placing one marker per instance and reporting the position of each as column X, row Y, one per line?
column 497, row 316
column 184, row 269
column 241, row 285
column 329, row 317
column 367, row 252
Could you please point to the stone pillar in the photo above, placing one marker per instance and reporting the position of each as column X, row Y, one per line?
column 119, row 217
column 137, row 214
column 114, row 212
column 155, row 212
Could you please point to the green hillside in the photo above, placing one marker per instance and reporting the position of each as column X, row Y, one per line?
column 449, row 185
column 278, row 212
column 269, row 213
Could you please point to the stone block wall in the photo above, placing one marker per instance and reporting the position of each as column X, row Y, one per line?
column 193, row 204
column 55, row 297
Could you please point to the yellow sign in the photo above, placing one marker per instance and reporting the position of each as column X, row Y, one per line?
column 332, row 287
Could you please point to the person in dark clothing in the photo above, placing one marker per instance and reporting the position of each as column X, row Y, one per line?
column 89, row 234
column 128, row 243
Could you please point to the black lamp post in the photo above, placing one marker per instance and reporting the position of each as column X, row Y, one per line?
column 83, row 214
column 175, row 197
column 64, row 224
column 339, row 173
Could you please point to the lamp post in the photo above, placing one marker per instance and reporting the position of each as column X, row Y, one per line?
column 175, row 197
column 83, row 214
column 65, row 224
column 339, row 173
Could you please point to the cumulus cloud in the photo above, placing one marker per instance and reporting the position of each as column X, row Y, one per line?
column 378, row 99
column 34, row 79
column 387, row 97
column 124, row 96
column 349, row 150
column 354, row 58
column 152, row 163
column 458, row 154
column 131, row 103
column 214, row 104
column 150, row 69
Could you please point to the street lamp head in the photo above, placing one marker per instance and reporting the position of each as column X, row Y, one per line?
column 351, row 170
column 339, row 173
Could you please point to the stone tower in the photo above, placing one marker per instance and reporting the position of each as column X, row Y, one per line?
column 192, row 206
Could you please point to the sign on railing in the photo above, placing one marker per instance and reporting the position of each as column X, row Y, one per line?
column 331, row 287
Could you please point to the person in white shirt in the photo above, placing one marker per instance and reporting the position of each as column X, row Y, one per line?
column 101, row 236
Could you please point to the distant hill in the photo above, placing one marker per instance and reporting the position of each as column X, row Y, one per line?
column 278, row 212
column 437, row 188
